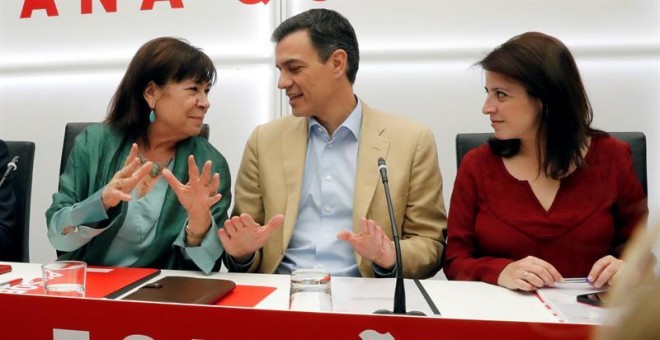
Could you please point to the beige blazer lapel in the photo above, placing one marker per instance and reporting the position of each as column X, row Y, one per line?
column 371, row 146
column 294, row 150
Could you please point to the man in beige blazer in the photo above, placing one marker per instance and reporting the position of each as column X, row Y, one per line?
column 318, row 57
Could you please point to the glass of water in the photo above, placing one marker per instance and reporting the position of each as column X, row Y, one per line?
column 64, row 278
column 310, row 291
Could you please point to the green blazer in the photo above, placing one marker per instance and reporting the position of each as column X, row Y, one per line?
column 98, row 153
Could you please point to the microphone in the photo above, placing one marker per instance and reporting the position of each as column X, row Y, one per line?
column 399, row 290
column 11, row 167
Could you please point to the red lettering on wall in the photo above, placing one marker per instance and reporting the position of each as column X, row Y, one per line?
column 31, row 5
column 148, row 5
column 265, row 2
column 108, row 5
column 252, row 2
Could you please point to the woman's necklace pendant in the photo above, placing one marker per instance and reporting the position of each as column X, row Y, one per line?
column 156, row 169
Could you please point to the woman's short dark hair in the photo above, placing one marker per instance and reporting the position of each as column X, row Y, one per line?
column 547, row 70
column 329, row 31
column 160, row 60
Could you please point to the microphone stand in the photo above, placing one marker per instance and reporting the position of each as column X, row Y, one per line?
column 399, row 290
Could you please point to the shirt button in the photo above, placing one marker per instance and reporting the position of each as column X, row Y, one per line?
column 328, row 178
column 327, row 208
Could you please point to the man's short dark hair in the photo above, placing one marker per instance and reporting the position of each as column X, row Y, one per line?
column 328, row 31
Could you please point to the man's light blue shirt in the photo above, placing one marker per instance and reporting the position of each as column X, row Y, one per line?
column 326, row 201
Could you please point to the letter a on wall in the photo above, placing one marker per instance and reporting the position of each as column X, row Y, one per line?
column 148, row 5
column 31, row 5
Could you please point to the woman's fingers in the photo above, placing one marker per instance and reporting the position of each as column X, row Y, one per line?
column 193, row 170
column 132, row 155
column 205, row 176
column 528, row 274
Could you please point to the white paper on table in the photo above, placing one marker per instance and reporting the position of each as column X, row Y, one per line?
column 366, row 295
column 476, row 300
column 562, row 299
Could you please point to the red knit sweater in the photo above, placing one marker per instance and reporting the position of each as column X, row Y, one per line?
column 495, row 219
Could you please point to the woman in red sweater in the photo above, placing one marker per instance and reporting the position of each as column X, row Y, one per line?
column 549, row 197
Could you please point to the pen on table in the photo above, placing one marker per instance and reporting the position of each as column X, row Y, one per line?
column 10, row 283
column 575, row 280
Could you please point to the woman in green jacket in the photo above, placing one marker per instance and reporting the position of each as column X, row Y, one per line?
column 143, row 189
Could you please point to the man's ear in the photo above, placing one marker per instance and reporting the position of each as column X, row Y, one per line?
column 339, row 59
column 150, row 94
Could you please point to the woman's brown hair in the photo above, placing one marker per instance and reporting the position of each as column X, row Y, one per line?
column 160, row 60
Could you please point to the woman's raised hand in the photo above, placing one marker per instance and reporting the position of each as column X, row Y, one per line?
column 124, row 181
column 198, row 195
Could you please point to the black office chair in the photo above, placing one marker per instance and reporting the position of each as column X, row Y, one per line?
column 637, row 141
column 21, row 180
column 73, row 129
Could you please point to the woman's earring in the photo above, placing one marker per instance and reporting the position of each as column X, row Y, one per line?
column 152, row 116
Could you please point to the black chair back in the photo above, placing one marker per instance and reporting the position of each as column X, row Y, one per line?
column 73, row 129
column 637, row 140
column 21, row 180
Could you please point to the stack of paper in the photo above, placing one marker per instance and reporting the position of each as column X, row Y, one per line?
column 562, row 300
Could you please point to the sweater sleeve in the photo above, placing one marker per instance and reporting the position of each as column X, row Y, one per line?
column 464, row 260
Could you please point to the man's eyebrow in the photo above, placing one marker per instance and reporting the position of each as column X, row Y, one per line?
column 288, row 62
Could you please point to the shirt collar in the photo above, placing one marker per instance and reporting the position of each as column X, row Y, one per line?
column 352, row 122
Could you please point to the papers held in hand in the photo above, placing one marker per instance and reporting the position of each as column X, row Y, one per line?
column 181, row 289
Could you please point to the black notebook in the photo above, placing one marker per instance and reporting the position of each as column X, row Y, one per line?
column 181, row 289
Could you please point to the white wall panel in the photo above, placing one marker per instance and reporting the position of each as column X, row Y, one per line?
column 224, row 27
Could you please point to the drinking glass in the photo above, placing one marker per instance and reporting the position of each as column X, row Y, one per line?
column 310, row 291
column 64, row 278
